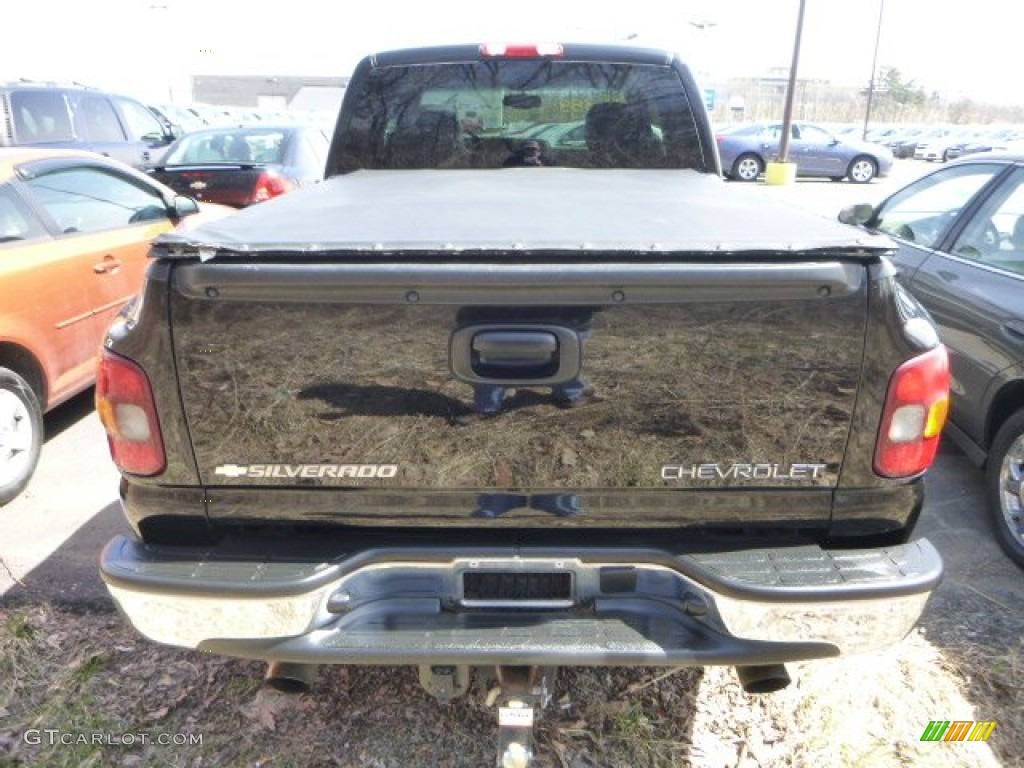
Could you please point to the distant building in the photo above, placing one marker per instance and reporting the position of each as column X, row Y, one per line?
column 763, row 98
column 274, row 92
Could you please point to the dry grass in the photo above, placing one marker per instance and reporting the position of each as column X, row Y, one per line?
column 85, row 673
column 705, row 381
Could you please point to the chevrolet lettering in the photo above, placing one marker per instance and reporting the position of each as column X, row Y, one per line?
column 757, row 471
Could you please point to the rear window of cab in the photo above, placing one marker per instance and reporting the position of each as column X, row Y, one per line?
column 480, row 114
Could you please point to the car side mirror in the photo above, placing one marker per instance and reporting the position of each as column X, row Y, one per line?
column 857, row 215
column 183, row 206
column 155, row 140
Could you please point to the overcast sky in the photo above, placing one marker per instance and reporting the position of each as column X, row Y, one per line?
column 972, row 49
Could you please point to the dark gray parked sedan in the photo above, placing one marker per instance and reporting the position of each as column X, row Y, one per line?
column 961, row 253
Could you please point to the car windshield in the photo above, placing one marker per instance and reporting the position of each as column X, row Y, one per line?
column 232, row 146
column 486, row 115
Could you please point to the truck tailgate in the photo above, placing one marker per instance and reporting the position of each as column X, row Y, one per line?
column 699, row 377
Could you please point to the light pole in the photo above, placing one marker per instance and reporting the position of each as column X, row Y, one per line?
column 157, row 7
column 702, row 26
column 874, row 67
column 787, row 115
column 702, row 66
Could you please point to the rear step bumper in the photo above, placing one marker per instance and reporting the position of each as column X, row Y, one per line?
column 523, row 606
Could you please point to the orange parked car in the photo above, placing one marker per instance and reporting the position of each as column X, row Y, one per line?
column 75, row 228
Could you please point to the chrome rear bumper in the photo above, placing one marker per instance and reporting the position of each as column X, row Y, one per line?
column 615, row 607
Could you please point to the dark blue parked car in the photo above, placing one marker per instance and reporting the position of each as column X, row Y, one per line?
column 746, row 150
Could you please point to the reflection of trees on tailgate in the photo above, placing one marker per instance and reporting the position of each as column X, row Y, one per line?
column 336, row 384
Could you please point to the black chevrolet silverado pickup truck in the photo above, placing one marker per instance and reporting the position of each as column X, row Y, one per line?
column 496, row 396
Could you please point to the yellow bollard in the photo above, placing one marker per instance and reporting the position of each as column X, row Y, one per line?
column 777, row 173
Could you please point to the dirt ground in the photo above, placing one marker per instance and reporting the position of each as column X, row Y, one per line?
column 69, row 677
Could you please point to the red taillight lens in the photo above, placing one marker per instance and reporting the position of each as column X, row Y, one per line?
column 521, row 51
column 270, row 184
column 915, row 411
column 125, row 404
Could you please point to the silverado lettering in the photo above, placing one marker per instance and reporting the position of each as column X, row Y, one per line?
column 256, row 471
column 525, row 282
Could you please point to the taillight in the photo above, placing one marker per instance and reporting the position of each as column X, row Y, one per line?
column 521, row 51
column 125, row 404
column 915, row 411
column 270, row 184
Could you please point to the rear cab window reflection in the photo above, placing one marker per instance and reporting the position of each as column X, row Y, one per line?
column 485, row 114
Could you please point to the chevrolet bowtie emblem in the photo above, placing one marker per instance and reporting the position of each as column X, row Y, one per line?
column 197, row 185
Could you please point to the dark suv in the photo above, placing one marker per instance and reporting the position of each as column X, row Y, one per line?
column 76, row 117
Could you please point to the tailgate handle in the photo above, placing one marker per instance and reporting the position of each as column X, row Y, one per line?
column 515, row 349
column 509, row 355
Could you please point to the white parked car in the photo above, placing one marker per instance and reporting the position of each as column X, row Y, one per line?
column 937, row 148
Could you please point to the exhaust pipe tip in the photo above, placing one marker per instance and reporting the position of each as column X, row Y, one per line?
column 288, row 677
column 763, row 678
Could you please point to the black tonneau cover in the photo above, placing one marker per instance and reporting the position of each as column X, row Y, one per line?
column 579, row 212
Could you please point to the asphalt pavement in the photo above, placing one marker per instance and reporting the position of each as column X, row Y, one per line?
column 51, row 535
